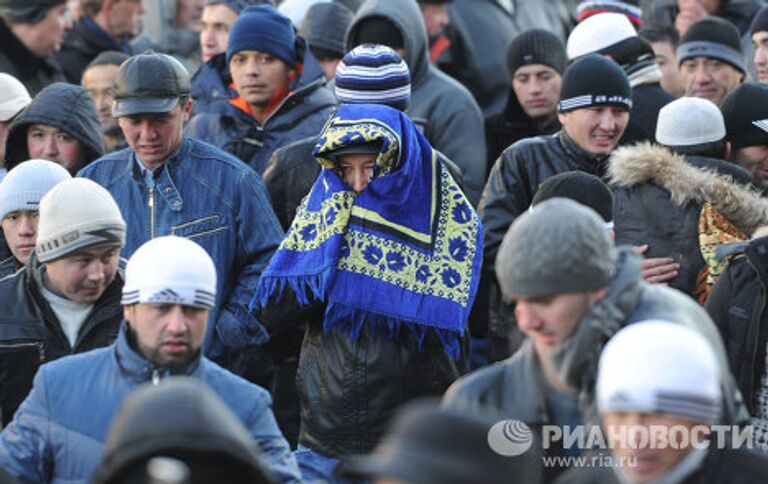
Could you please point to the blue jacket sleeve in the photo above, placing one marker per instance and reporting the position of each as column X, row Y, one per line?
column 25, row 445
column 275, row 450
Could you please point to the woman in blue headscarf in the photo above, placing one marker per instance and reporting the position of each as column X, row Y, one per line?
column 391, row 249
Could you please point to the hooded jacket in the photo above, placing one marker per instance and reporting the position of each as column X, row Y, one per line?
column 65, row 106
column 651, row 180
column 59, row 432
column 442, row 109
column 31, row 334
column 20, row 62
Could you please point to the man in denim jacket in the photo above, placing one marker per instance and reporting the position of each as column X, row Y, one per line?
column 167, row 184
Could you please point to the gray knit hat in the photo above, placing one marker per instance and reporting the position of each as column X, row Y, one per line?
column 76, row 214
column 557, row 247
column 26, row 184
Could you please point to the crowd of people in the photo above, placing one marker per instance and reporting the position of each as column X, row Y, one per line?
column 388, row 241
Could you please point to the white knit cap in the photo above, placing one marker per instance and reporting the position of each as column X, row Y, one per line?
column 170, row 270
column 77, row 213
column 660, row 366
column 689, row 121
column 598, row 32
column 13, row 97
column 24, row 186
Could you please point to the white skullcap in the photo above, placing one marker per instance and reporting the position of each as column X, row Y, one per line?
column 689, row 121
column 659, row 366
column 13, row 96
column 170, row 270
column 598, row 32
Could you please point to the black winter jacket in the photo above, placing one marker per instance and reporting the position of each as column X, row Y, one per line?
column 657, row 200
column 737, row 305
column 81, row 45
column 30, row 332
column 17, row 60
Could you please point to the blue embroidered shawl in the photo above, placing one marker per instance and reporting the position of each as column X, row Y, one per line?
column 406, row 252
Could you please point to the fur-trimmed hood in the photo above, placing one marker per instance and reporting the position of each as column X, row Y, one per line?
column 741, row 204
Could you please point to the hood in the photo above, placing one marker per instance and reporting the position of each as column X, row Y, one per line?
column 65, row 106
column 180, row 418
column 741, row 204
column 325, row 26
column 405, row 14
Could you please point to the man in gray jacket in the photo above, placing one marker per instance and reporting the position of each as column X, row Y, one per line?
column 441, row 108
column 574, row 289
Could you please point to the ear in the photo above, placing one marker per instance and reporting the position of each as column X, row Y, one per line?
column 188, row 109
column 127, row 313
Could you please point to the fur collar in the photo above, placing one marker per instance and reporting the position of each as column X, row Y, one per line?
column 645, row 162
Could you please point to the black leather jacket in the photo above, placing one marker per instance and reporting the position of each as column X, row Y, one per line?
column 30, row 332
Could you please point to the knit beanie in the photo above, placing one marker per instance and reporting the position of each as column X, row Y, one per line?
column 75, row 214
column 594, row 80
column 745, row 111
column 760, row 22
column 326, row 26
column 689, row 121
column 585, row 188
column 376, row 30
column 13, row 97
column 27, row 11
column 170, row 270
column 558, row 246
column 373, row 74
column 599, row 32
column 712, row 37
column 536, row 46
column 26, row 184
column 263, row 28
column 660, row 366
column 630, row 9
column 238, row 5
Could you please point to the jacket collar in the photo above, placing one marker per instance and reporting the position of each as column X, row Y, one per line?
column 134, row 366
column 529, row 406
column 584, row 160
column 26, row 61
column 165, row 186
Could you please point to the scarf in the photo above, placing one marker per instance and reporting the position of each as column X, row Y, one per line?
column 404, row 253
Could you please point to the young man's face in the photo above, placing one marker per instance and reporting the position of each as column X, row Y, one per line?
column 98, row 81
column 169, row 335
column 50, row 143
column 596, row 129
column 85, row 275
column 666, row 59
column 260, row 78
column 357, row 170
column 20, row 230
column 708, row 78
column 155, row 137
column 549, row 321
column 646, row 459
column 537, row 88
column 214, row 31
column 760, row 44
column 755, row 160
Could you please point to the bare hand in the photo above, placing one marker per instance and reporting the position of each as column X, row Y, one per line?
column 659, row 269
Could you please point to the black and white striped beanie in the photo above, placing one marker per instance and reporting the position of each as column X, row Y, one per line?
column 594, row 80
column 170, row 270
column 373, row 74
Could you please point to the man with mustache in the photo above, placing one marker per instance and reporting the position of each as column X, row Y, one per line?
column 67, row 297
column 170, row 288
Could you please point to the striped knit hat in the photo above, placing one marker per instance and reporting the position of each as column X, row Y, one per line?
column 373, row 74
column 660, row 366
column 170, row 270
column 593, row 80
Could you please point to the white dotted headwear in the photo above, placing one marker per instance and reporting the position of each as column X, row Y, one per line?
column 689, row 121
column 659, row 366
column 24, row 186
column 76, row 214
column 170, row 270
column 598, row 32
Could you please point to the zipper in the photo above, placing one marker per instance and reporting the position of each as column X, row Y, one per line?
column 155, row 377
column 152, row 212
column 35, row 344
column 759, row 318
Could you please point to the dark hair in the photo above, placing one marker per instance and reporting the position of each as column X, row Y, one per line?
column 324, row 54
column 108, row 58
column 713, row 149
column 660, row 33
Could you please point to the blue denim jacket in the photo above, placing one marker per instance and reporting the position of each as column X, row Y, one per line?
column 58, row 433
column 213, row 198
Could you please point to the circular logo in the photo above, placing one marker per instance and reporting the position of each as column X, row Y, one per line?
column 510, row 438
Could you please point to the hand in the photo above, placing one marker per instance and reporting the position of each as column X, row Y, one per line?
column 657, row 270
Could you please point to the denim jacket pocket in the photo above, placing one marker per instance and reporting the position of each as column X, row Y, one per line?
column 199, row 227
